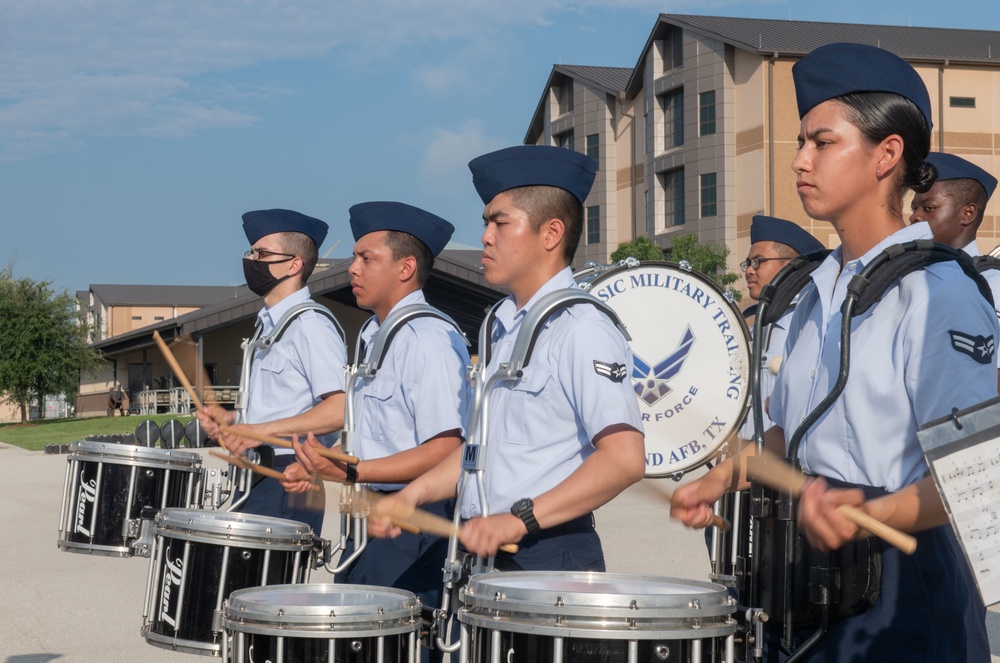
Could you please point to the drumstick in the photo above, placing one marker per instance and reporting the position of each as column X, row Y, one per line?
column 717, row 520
column 432, row 524
column 269, row 439
column 779, row 475
column 259, row 469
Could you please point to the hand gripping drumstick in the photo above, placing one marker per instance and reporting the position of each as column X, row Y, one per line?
column 779, row 475
column 430, row 523
column 253, row 467
column 717, row 520
column 269, row 439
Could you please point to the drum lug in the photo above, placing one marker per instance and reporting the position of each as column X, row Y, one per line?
column 142, row 530
column 218, row 625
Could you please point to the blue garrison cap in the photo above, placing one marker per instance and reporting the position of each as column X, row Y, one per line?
column 771, row 229
column 533, row 165
column 429, row 228
column 264, row 222
column 835, row 70
column 951, row 167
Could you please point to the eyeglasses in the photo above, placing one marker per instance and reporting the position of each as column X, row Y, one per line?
column 755, row 262
column 260, row 254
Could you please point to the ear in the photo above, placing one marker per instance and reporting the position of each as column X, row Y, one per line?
column 888, row 155
column 968, row 214
column 294, row 266
column 408, row 269
column 552, row 232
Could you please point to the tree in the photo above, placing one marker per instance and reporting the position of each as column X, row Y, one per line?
column 641, row 248
column 709, row 259
column 43, row 343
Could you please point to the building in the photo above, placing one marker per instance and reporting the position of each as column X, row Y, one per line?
column 699, row 135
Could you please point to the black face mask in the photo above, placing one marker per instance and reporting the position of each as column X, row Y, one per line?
column 259, row 278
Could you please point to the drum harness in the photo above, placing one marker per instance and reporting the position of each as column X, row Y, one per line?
column 264, row 455
column 456, row 570
column 864, row 290
column 353, row 501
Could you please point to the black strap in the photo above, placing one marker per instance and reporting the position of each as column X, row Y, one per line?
column 985, row 263
column 779, row 294
column 899, row 260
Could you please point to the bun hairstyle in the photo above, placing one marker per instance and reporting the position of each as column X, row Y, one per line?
column 879, row 115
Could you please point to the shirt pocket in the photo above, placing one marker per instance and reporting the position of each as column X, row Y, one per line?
column 376, row 399
column 527, row 413
column 274, row 373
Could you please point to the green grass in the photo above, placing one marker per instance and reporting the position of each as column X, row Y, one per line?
column 35, row 435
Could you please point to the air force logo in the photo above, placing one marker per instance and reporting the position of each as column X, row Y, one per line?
column 979, row 348
column 651, row 381
column 615, row 372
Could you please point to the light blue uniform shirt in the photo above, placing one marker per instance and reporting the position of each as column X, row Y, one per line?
column 421, row 390
column 905, row 369
column 294, row 374
column 992, row 277
column 541, row 426
column 775, row 346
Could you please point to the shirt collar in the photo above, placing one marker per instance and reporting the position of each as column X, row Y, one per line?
column 972, row 248
column 269, row 316
column 908, row 234
column 507, row 314
column 372, row 326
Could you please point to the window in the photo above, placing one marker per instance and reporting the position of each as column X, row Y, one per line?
column 962, row 102
column 673, row 118
column 706, row 113
column 137, row 317
column 594, row 147
column 158, row 318
column 564, row 96
column 673, row 55
column 673, row 197
column 709, row 204
column 565, row 139
column 594, row 225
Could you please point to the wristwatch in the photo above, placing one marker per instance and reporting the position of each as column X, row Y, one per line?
column 525, row 510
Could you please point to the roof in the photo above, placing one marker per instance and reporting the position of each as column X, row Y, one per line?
column 796, row 38
column 164, row 295
column 611, row 80
column 454, row 287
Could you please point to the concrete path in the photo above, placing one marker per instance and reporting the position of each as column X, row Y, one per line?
column 61, row 606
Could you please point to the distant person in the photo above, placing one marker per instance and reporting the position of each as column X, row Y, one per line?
column 773, row 243
column 296, row 383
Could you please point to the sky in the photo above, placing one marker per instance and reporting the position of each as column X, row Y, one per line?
column 135, row 133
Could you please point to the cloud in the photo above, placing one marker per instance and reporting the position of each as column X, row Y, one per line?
column 76, row 70
column 450, row 150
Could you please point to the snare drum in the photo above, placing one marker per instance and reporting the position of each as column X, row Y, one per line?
column 201, row 557
column 289, row 623
column 691, row 353
column 546, row 616
column 107, row 486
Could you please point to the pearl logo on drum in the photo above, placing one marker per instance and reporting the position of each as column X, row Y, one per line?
column 173, row 574
column 88, row 495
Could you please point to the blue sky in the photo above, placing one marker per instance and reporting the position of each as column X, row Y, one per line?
column 134, row 133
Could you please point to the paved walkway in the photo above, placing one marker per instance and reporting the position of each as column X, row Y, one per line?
column 60, row 606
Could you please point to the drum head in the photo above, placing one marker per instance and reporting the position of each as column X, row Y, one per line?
column 612, row 604
column 226, row 528
column 126, row 454
column 348, row 610
column 691, row 355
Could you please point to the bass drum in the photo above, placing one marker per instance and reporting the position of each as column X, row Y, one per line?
column 691, row 354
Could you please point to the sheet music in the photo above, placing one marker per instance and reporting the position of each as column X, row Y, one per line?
column 963, row 453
